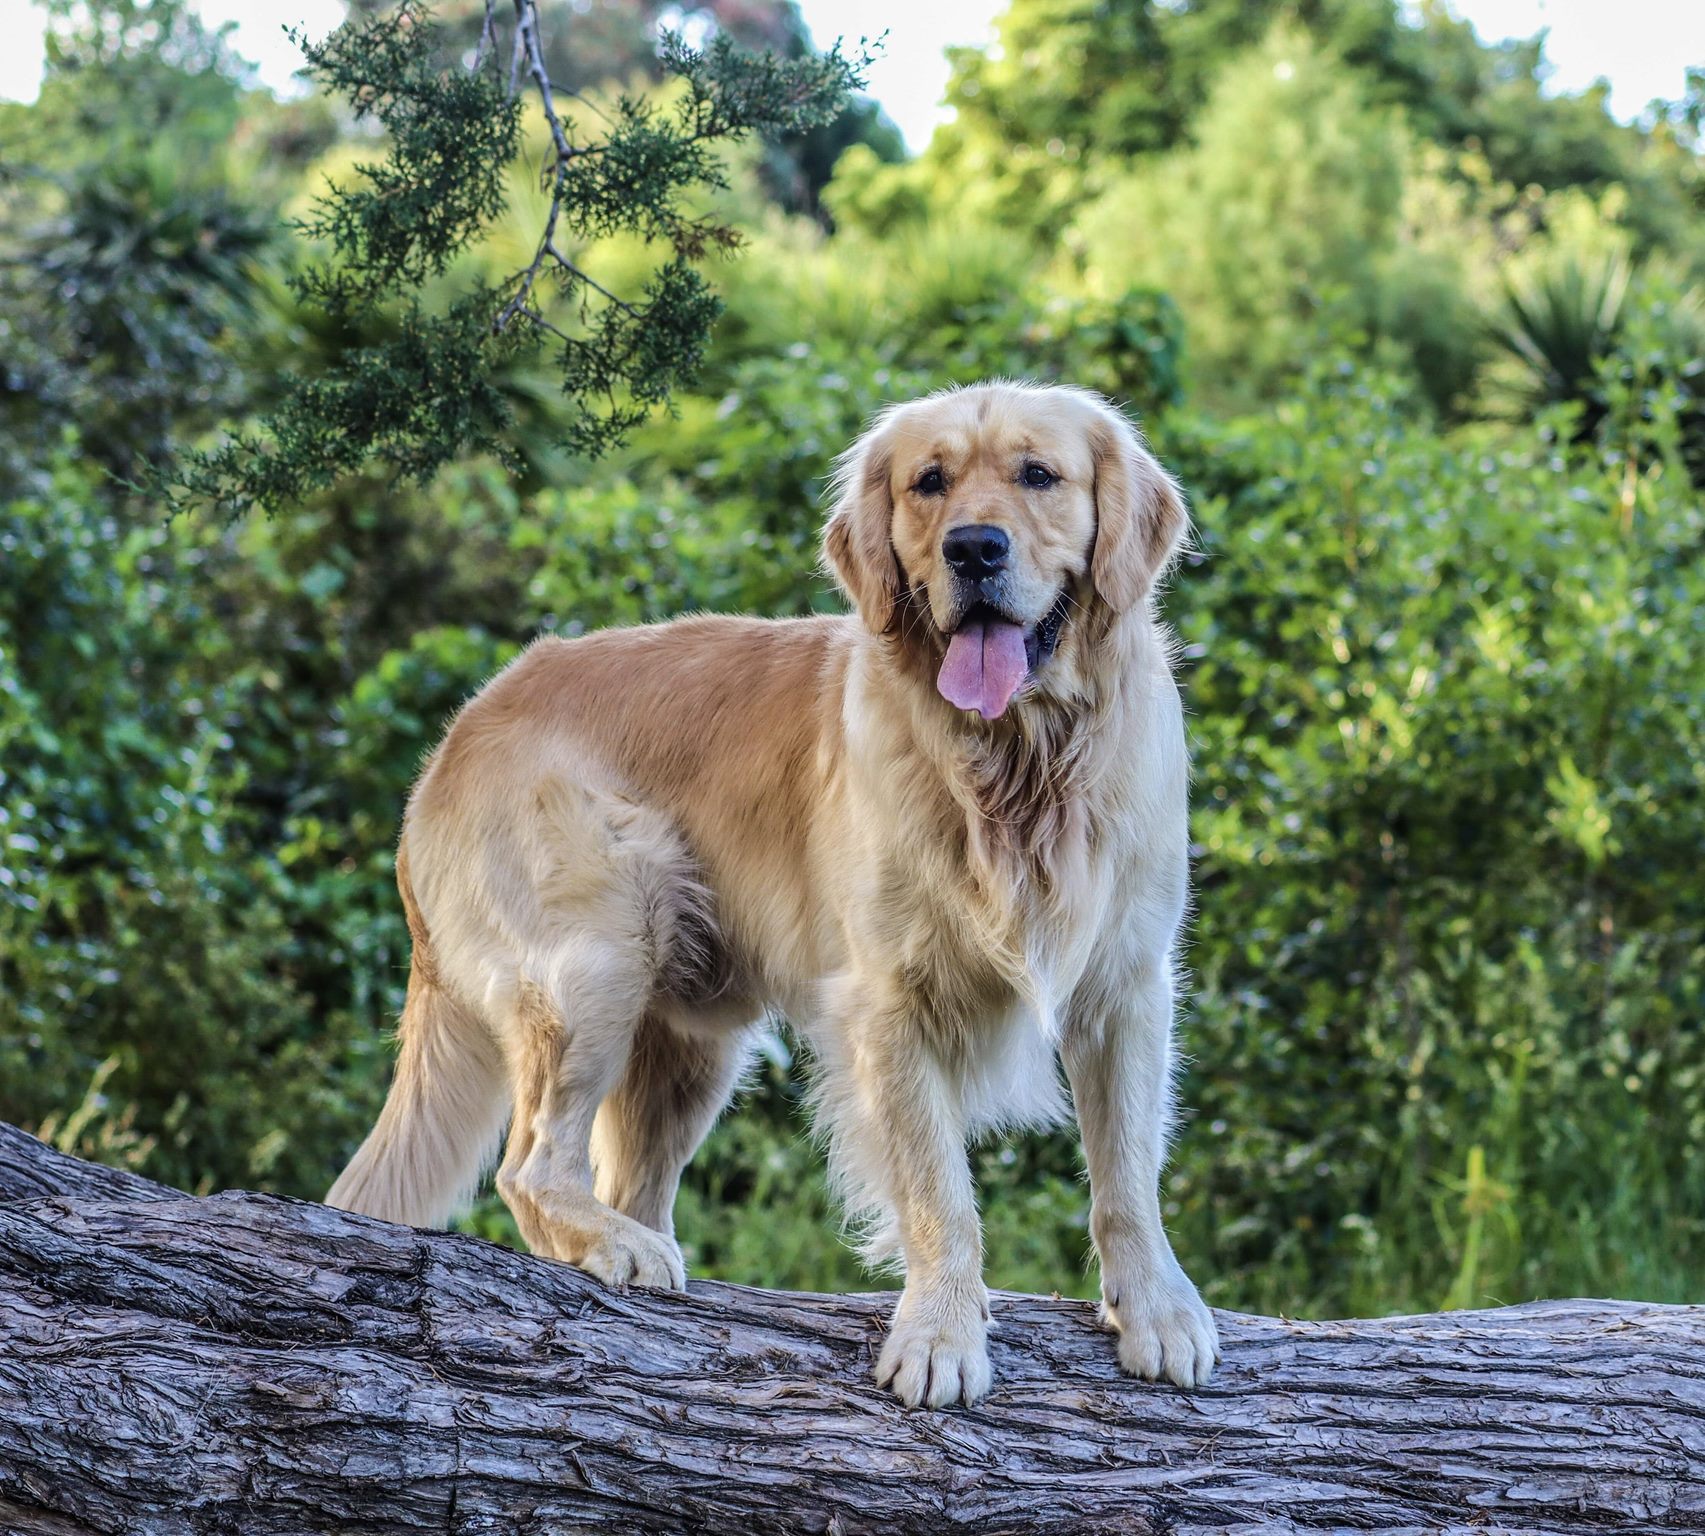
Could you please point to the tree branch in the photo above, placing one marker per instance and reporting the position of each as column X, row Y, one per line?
column 527, row 26
column 487, row 32
column 250, row 1364
column 520, row 304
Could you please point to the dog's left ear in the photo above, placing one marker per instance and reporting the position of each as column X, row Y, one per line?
column 1140, row 519
column 857, row 543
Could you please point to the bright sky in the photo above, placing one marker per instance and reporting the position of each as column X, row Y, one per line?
column 1641, row 46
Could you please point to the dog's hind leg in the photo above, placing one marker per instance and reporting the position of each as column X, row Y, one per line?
column 568, row 1050
column 609, row 925
column 675, row 1086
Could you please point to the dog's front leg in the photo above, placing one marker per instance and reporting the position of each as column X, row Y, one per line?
column 901, row 1145
column 1118, row 1053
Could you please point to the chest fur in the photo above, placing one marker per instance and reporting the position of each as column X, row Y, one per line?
column 989, row 926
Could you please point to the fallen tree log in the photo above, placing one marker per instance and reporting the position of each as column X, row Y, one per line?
column 255, row 1365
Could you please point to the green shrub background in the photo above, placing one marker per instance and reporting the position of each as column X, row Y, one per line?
column 1424, row 344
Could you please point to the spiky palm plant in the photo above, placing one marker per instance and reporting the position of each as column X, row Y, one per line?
column 1560, row 323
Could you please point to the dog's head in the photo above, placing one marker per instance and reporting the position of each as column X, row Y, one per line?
column 1000, row 517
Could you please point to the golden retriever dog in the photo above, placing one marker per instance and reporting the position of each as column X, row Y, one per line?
column 944, row 836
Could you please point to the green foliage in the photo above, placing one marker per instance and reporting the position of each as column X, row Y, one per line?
column 941, row 303
column 129, row 242
column 1087, row 78
column 144, row 946
column 1653, row 383
column 1584, row 329
column 159, row 256
column 411, row 404
column 1077, row 89
column 1080, row 89
column 1448, row 766
column 449, row 134
column 586, row 47
column 1347, row 169
column 1440, row 649
column 123, row 72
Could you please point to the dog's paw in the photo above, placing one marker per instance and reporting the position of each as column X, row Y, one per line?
column 624, row 1253
column 927, row 1362
column 1165, row 1329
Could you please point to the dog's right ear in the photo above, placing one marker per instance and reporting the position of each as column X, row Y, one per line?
column 856, row 543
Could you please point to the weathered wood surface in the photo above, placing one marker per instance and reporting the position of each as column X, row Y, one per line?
column 251, row 1365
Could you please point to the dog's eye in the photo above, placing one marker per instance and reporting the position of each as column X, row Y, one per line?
column 930, row 483
column 1039, row 476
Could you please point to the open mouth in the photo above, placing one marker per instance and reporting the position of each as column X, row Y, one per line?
column 990, row 657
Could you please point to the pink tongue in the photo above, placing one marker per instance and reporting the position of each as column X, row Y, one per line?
column 985, row 664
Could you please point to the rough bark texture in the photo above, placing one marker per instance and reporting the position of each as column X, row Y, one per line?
column 253, row 1365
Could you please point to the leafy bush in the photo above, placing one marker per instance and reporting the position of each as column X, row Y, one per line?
column 1448, row 745
column 1561, row 324
column 143, row 943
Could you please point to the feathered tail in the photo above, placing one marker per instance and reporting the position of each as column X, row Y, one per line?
column 443, row 1117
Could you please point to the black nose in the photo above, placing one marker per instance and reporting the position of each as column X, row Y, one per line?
column 976, row 550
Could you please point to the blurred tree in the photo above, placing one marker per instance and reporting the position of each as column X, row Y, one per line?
column 427, row 395
column 588, row 43
column 1123, row 77
column 1272, row 226
column 1075, row 89
column 586, row 46
column 130, row 235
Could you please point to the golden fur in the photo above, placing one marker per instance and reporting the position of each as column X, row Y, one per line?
column 632, row 846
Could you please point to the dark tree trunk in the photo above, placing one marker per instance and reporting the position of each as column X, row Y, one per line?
column 252, row 1365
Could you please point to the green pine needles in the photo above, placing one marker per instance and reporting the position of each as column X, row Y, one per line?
column 432, row 388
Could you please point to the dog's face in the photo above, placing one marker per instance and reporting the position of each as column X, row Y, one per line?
column 1002, row 513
